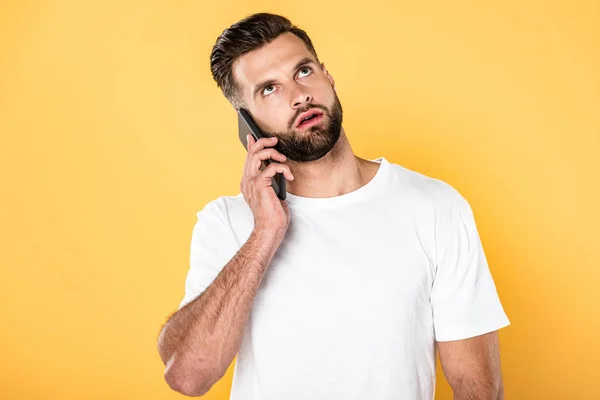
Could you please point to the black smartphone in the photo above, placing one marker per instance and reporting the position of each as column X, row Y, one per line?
column 247, row 126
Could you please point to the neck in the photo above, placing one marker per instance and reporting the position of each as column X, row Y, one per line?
column 336, row 173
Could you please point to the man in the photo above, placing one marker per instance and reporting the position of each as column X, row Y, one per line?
column 344, row 289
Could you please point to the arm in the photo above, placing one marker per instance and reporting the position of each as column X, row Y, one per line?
column 472, row 367
column 200, row 340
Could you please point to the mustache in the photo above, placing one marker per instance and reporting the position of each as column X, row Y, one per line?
column 300, row 111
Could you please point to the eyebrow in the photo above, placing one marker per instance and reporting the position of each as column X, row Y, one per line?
column 267, row 82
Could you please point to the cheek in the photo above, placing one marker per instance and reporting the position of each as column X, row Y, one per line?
column 276, row 119
column 277, row 103
column 325, row 98
column 322, row 91
column 322, row 84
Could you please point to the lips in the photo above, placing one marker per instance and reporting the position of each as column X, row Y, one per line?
column 307, row 114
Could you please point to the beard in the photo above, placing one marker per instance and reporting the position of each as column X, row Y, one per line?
column 313, row 143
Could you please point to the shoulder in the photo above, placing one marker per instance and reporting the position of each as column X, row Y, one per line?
column 230, row 214
column 427, row 190
column 223, row 206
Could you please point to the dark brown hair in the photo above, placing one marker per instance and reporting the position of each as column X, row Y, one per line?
column 250, row 33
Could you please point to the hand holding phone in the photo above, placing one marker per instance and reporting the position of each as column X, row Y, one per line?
column 247, row 126
column 270, row 212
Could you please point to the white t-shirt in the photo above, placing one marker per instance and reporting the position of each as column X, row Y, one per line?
column 361, row 287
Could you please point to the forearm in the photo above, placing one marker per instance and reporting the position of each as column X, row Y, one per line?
column 479, row 389
column 200, row 340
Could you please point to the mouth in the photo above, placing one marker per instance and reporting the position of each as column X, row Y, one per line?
column 309, row 118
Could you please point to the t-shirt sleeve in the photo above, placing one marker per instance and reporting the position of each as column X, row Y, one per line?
column 464, row 298
column 212, row 247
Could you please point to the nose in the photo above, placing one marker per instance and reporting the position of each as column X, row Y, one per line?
column 300, row 97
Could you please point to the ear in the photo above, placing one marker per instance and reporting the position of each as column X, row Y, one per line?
column 328, row 75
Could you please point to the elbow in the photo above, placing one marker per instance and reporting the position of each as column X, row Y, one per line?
column 189, row 384
column 189, row 388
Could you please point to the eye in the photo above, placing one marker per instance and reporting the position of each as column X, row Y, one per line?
column 308, row 69
column 266, row 91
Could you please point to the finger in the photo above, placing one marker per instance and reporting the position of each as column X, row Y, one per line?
column 249, row 141
column 274, row 168
column 270, row 153
column 262, row 143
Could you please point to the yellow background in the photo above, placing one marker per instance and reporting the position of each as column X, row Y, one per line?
column 113, row 135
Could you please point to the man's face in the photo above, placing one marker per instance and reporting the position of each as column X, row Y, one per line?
column 281, row 81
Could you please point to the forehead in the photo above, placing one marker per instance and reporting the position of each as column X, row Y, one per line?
column 278, row 56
